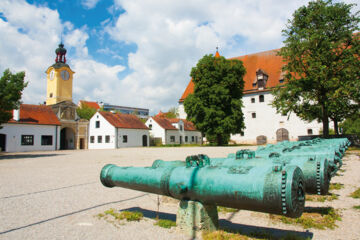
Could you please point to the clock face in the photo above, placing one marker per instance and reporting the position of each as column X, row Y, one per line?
column 52, row 73
column 65, row 75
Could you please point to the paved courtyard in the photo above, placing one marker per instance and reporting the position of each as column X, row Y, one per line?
column 57, row 195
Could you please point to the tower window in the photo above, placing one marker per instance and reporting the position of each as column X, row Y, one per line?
column 51, row 95
column 261, row 98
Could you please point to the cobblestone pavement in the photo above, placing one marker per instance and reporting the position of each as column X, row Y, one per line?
column 57, row 195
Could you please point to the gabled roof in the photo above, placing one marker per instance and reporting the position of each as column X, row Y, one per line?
column 36, row 114
column 120, row 120
column 94, row 105
column 166, row 123
column 267, row 61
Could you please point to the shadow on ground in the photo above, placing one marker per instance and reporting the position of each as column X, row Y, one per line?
column 28, row 155
column 228, row 226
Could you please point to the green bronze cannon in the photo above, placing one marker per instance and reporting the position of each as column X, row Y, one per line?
column 271, row 189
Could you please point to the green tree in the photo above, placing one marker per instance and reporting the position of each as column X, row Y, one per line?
column 172, row 113
column 215, row 106
column 322, row 67
column 85, row 112
column 11, row 87
column 352, row 125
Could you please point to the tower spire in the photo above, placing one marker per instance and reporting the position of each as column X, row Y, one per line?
column 217, row 54
column 60, row 54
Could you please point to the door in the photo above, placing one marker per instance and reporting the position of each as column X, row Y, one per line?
column 2, row 142
column 282, row 135
column 82, row 143
column 144, row 141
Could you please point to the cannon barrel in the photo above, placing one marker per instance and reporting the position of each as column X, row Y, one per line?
column 277, row 190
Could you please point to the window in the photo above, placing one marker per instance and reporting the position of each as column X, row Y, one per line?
column 46, row 139
column 253, row 115
column 172, row 138
column 242, row 134
column 150, row 126
column 186, row 138
column 261, row 98
column 192, row 138
column 51, row 95
column 252, row 100
column 310, row 131
column 99, row 139
column 181, row 127
column 125, row 139
column 281, row 80
column 27, row 139
column 107, row 138
column 97, row 124
column 92, row 139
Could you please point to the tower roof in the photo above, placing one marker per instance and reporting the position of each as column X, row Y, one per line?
column 60, row 60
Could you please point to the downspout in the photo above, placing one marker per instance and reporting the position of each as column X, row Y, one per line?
column 56, row 136
column 116, row 137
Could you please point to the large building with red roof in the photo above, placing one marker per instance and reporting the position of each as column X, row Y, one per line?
column 109, row 130
column 32, row 128
column 263, row 124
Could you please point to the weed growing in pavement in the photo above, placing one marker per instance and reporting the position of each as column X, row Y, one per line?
column 227, row 210
column 124, row 215
column 320, row 218
column 164, row 223
column 237, row 235
column 321, row 198
column 336, row 186
column 356, row 194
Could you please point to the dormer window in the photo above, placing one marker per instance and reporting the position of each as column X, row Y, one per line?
column 261, row 79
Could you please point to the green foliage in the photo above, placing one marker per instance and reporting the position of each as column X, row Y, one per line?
column 356, row 194
column 226, row 209
column 238, row 235
column 320, row 218
column 351, row 125
column 85, row 112
column 11, row 87
column 322, row 63
column 164, row 223
column 215, row 106
column 357, row 207
column 321, row 198
column 336, row 186
column 172, row 113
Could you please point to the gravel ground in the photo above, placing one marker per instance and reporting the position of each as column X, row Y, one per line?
column 57, row 195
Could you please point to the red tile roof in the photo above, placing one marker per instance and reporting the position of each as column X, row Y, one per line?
column 166, row 123
column 36, row 114
column 94, row 105
column 267, row 61
column 120, row 120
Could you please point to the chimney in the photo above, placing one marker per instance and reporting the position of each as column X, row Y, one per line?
column 16, row 114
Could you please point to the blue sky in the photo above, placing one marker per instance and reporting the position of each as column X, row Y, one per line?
column 135, row 53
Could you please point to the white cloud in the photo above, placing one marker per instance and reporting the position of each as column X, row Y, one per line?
column 89, row 4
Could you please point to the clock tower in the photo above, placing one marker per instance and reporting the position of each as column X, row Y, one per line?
column 59, row 79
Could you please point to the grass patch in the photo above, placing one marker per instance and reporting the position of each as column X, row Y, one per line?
column 336, row 186
column 357, row 207
column 225, row 235
column 178, row 145
column 356, row 194
column 226, row 209
column 164, row 223
column 353, row 148
column 321, row 198
column 124, row 215
column 319, row 218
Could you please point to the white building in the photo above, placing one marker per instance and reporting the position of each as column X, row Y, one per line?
column 109, row 130
column 263, row 124
column 32, row 128
column 173, row 130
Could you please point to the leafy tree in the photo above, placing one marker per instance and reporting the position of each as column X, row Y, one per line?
column 85, row 112
column 215, row 106
column 322, row 65
column 11, row 87
column 172, row 113
column 352, row 125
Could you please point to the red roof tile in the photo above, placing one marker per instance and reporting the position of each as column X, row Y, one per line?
column 121, row 120
column 94, row 105
column 36, row 114
column 166, row 123
column 267, row 61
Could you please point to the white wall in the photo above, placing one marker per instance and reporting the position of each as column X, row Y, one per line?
column 14, row 131
column 134, row 137
column 105, row 129
column 267, row 121
column 174, row 133
column 156, row 131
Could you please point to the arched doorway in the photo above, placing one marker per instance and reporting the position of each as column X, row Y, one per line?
column 261, row 140
column 282, row 135
column 2, row 142
column 67, row 138
column 144, row 141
